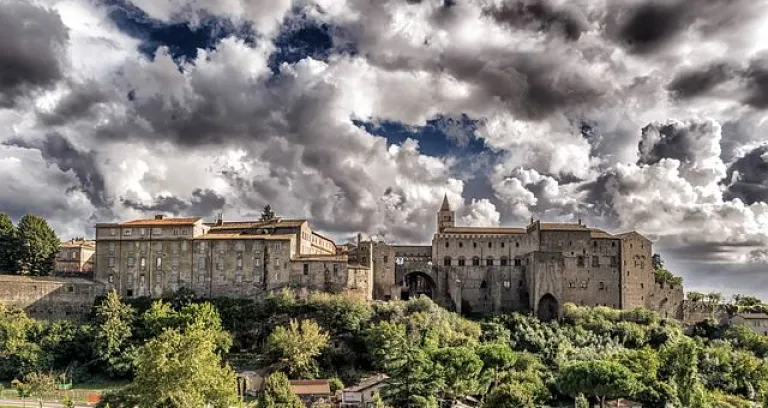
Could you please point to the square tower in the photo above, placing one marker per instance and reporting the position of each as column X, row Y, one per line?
column 446, row 218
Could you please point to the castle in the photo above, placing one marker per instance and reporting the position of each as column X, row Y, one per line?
column 536, row 268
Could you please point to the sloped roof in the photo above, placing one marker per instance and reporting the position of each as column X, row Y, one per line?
column 311, row 387
column 276, row 223
column 368, row 383
column 160, row 222
column 483, row 230
column 561, row 226
column 752, row 316
column 268, row 237
column 598, row 233
column 322, row 258
column 446, row 206
column 77, row 243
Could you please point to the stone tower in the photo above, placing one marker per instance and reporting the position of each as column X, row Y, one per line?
column 445, row 217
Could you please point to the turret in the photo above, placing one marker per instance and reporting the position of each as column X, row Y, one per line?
column 445, row 217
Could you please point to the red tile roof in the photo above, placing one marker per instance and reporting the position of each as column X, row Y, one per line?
column 160, row 222
column 311, row 387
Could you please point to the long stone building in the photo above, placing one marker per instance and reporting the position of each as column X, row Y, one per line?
column 536, row 268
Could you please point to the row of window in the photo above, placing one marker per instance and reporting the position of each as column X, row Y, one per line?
column 447, row 261
column 474, row 244
column 585, row 284
column 144, row 231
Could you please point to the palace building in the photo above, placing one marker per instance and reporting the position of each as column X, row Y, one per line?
column 537, row 268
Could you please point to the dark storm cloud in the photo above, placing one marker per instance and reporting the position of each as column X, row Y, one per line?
column 747, row 177
column 56, row 149
column 78, row 103
column 540, row 15
column 694, row 83
column 32, row 42
column 756, row 83
column 668, row 141
column 650, row 25
column 202, row 203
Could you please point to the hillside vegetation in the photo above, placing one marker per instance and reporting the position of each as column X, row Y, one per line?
column 431, row 355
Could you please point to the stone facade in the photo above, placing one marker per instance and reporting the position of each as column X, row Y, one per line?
column 534, row 268
column 156, row 257
column 75, row 258
column 50, row 298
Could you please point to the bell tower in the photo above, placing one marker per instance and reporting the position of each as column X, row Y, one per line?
column 445, row 217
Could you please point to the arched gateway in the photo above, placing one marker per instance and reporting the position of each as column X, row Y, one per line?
column 418, row 283
column 548, row 308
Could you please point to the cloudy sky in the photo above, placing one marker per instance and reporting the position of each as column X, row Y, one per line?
column 360, row 114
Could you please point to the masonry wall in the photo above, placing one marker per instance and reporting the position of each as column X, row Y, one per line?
column 50, row 298
column 667, row 300
column 385, row 285
column 638, row 281
column 695, row 312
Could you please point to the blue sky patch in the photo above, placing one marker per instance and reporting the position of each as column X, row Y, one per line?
column 182, row 40
column 302, row 37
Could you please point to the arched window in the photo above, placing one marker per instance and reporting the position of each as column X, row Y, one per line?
column 489, row 261
column 447, row 261
column 483, row 285
column 504, row 261
column 461, row 245
column 446, row 244
column 502, row 245
column 490, row 245
column 476, row 261
column 462, row 261
column 474, row 245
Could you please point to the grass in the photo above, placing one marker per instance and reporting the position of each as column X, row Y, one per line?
column 79, row 392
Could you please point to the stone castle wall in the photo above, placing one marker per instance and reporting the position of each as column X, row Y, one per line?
column 667, row 300
column 50, row 298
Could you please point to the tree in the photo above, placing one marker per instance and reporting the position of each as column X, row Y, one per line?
column 508, row 396
column 297, row 346
column 113, row 332
column 277, row 393
column 413, row 380
column 459, row 367
column 681, row 363
column 40, row 384
column 657, row 262
column 267, row 214
column 37, row 245
column 23, row 390
column 181, row 370
column 497, row 358
column 67, row 402
column 598, row 378
column 9, row 248
column 581, row 401
column 696, row 296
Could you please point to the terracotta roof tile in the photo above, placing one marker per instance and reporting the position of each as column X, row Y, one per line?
column 311, row 387
column 268, row 237
column 160, row 222
column 598, row 233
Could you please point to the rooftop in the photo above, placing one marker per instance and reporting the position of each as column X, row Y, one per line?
column 752, row 316
column 322, row 258
column 483, row 230
column 48, row 279
column 276, row 223
column 561, row 226
column 160, row 221
column 598, row 233
column 268, row 237
column 311, row 387
column 77, row 243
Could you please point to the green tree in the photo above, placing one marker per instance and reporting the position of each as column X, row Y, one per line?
column 112, row 346
column 509, row 396
column 267, row 214
column 40, row 384
column 598, row 378
column 681, row 363
column 23, row 390
column 277, row 393
column 497, row 358
column 459, row 367
column 9, row 247
column 297, row 347
column 67, row 402
column 182, row 370
column 38, row 245
column 413, row 378
column 336, row 384
column 581, row 401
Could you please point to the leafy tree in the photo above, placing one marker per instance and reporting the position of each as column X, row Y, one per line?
column 39, row 385
column 267, row 214
column 459, row 368
column 67, row 402
column 297, row 346
column 681, row 362
column 581, row 401
column 277, row 393
column 335, row 384
column 696, row 296
column 601, row 379
column 509, row 396
column 23, row 390
column 657, row 262
column 497, row 358
column 113, row 333
column 20, row 352
column 38, row 245
column 413, row 381
column 9, row 247
column 181, row 370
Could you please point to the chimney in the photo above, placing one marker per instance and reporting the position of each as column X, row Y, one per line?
column 579, row 221
column 159, row 216
column 220, row 219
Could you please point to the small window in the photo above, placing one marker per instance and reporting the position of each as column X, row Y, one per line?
column 111, row 278
column 614, row 260
column 583, row 284
column 580, row 261
column 642, row 286
column 131, row 261
column 129, row 293
column 159, row 262
column 461, row 245
column 157, row 231
column 142, row 262
column 595, row 261
column 474, row 245
column 594, row 244
column 490, row 245
column 571, row 285
column 113, row 232
column 446, row 244
column 111, row 262
column 504, row 261
column 447, row 261
column 142, row 231
column 462, row 261
column 70, row 289
column 483, row 285
column 517, row 245
column 476, row 261
column 613, row 244
column 489, row 261
column 306, row 269
column 518, row 262
column 502, row 245
column 386, row 259
column 239, row 264
column 601, row 286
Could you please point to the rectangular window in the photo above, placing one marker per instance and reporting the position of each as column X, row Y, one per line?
column 175, row 263
column 614, row 261
column 256, row 261
column 504, row 262
column 141, row 279
column 595, row 261
column 131, row 261
column 127, row 231
column 113, row 231
column 489, row 262
column 74, row 255
column 159, row 262
column 175, row 231
column 143, row 263
column 129, row 293
column 386, row 259
column 157, row 231
column 601, row 286
column 335, row 270
column 111, row 262
column 238, row 278
column 158, row 246
column 462, row 261
column 143, row 231
column 175, row 247
column 277, row 263
column 184, row 246
column 475, row 261
column 143, row 247
column 111, row 248
column 111, row 278
column 239, row 265
column 518, row 262
column 580, row 261
column 306, row 269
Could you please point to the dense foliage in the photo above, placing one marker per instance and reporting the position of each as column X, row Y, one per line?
column 29, row 248
column 431, row 356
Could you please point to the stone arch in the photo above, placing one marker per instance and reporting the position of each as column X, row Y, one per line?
column 417, row 283
column 549, row 308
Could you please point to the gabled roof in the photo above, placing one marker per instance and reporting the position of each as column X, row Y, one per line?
column 598, row 233
column 276, row 223
column 368, row 383
column 267, row 237
column 446, row 206
column 562, row 226
column 311, row 387
column 155, row 222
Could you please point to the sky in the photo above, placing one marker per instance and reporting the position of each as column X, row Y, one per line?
column 359, row 115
